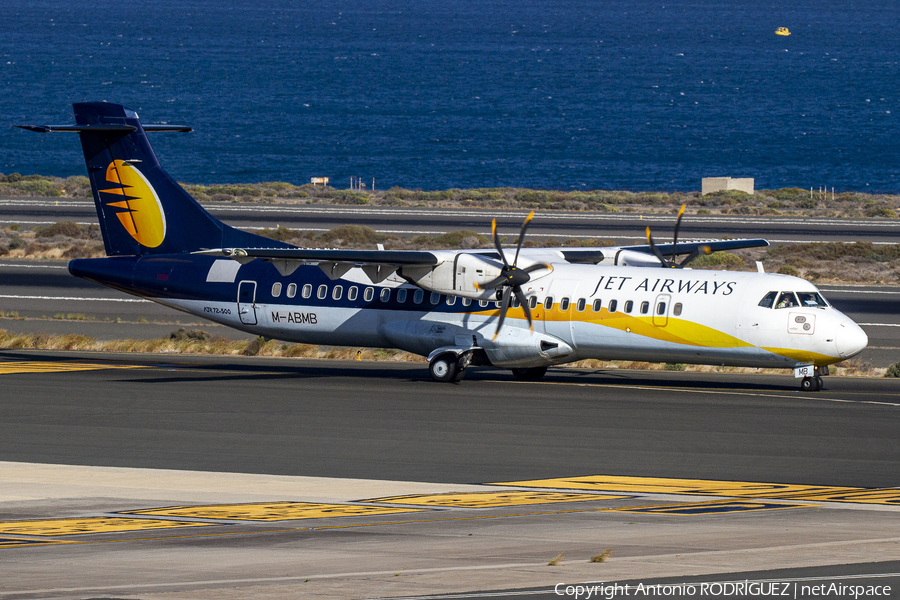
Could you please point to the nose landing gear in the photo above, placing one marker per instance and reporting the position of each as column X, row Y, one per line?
column 811, row 384
column 815, row 382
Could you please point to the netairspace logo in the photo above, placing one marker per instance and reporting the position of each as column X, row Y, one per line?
column 730, row 589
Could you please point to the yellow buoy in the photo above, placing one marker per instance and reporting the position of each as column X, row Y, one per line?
column 782, row 31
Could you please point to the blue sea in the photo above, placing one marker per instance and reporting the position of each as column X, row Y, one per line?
column 434, row 94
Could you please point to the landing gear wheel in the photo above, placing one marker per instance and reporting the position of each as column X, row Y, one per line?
column 443, row 367
column 820, row 385
column 529, row 374
column 811, row 384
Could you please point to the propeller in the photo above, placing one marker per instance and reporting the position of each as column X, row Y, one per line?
column 671, row 263
column 511, row 277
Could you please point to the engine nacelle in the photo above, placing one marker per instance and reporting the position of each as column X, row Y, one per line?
column 459, row 275
column 629, row 258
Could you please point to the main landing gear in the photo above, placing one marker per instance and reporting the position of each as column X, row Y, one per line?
column 448, row 367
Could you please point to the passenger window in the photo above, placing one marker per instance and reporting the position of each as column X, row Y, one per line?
column 629, row 305
column 451, row 300
column 401, row 295
column 292, row 290
column 786, row 300
column 435, row 298
column 418, row 296
column 811, row 300
column 581, row 304
column 307, row 291
column 351, row 293
column 768, row 300
column 676, row 310
column 548, row 302
column 661, row 308
column 385, row 294
column 645, row 307
column 564, row 304
column 467, row 302
column 532, row 302
column 368, row 294
column 514, row 301
column 598, row 305
column 337, row 292
column 322, row 292
column 612, row 305
column 276, row 289
column 483, row 303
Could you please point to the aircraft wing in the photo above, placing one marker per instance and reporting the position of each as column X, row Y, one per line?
column 689, row 247
column 394, row 257
column 377, row 264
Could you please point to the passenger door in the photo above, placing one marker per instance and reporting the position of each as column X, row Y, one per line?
column 246, row 302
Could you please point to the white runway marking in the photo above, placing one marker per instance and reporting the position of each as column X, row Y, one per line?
column 12, row 266
column 73, row 298
column 19, row 222
column 829, row 290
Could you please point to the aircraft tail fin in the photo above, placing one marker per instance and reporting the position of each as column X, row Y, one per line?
column 142, row 210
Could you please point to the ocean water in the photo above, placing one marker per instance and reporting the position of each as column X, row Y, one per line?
column 433, row 94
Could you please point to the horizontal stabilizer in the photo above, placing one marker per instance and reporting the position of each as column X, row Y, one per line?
column 103, row 128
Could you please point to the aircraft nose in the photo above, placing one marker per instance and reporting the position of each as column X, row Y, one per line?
column 850, row 339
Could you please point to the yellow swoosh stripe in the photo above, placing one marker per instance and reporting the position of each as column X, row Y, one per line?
column 804, row 356
column 677, row 331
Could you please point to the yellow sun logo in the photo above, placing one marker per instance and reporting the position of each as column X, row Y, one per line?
column 142, row 213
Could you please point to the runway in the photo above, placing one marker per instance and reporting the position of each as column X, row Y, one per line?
column 619, row 228
column 185, row 477
column 312, row 418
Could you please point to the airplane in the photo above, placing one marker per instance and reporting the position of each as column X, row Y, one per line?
column 519, row 308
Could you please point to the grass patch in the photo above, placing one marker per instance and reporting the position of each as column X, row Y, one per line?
column 187, row 341
column 786, row 201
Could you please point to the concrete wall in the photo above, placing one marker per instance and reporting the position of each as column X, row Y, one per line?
column 717, row 184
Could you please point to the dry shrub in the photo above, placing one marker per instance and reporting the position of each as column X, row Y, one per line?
column 603, row 556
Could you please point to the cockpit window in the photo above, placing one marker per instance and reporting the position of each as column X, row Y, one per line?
column 787, row 300
column 811, row 300
column 768, row 300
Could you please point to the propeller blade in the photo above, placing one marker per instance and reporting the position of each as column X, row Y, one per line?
column 522, row 236
column 497, row 242
column 695, row 254
column 655, row 250
column 520, row 296
column 493, row 283
column 536, row 267
column 503, row 308
column 675, row 235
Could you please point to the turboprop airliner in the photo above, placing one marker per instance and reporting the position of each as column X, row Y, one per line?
column 518, row 308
